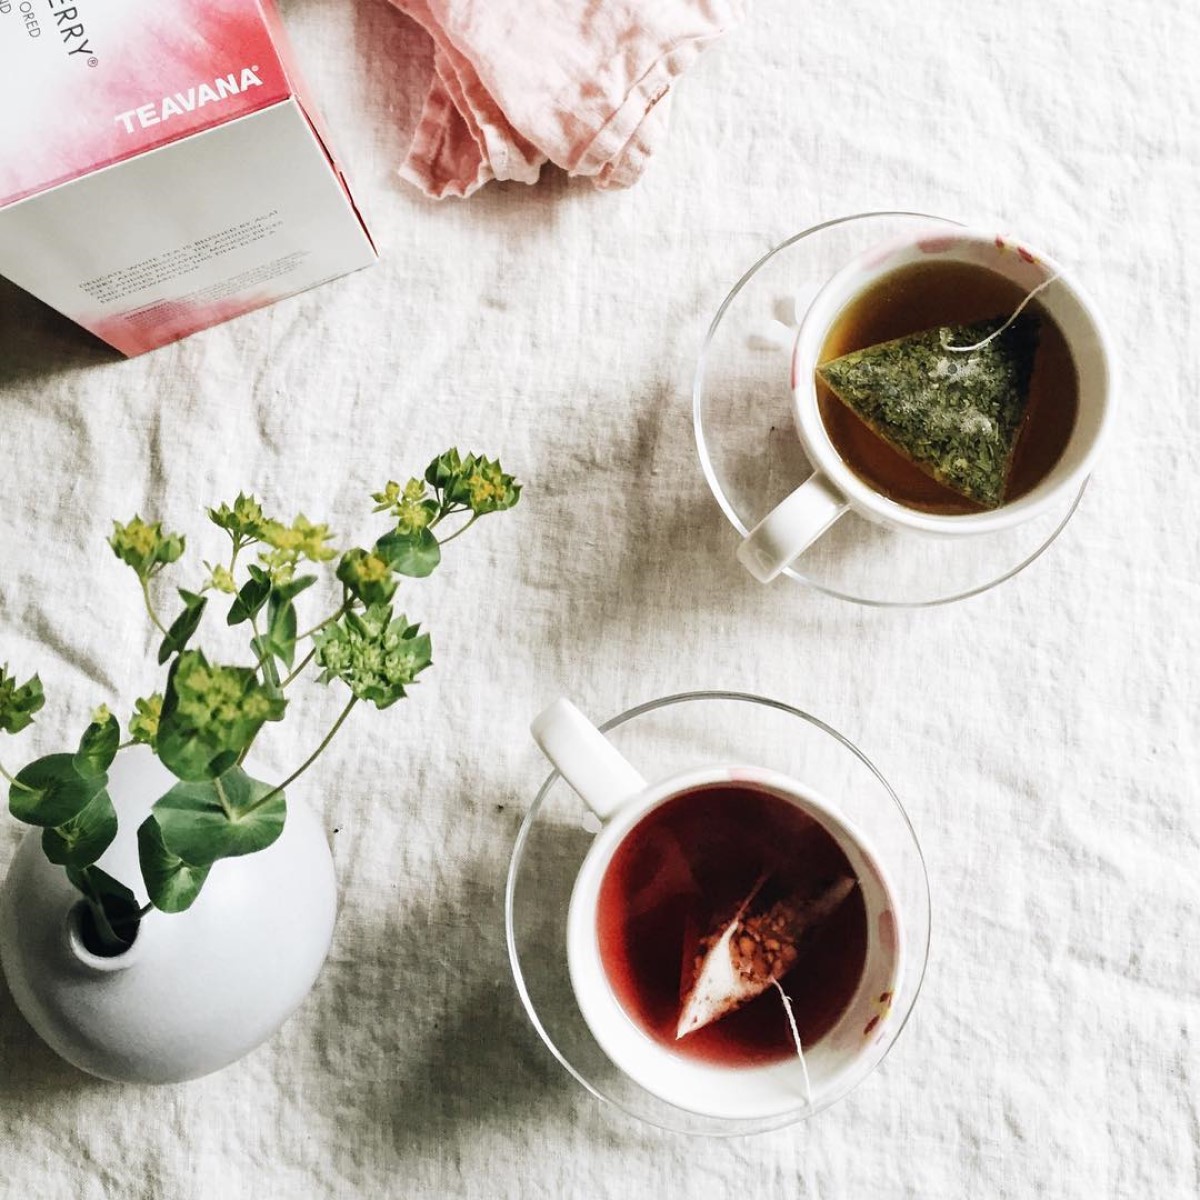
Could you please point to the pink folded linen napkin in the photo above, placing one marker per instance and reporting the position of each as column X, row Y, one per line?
column 580, row 83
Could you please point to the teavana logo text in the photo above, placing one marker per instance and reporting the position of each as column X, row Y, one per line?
column 195, row 97
column 69, row 27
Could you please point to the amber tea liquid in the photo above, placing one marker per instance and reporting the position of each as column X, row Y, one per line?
column 922, row 296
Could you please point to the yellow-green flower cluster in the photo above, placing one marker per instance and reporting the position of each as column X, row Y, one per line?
column 143, row 725
column 144, row 546
column 18, row 704
column 410, row 506
column 220, row 579
column 388, row 498
column 474, row 482
column 368, row 576
column 211, row 714
column 489, row 489
column 243, row 520
column 208, row 695
column 289, row 544
column 375, row 656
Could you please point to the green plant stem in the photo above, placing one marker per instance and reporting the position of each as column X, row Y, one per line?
column 459, row 532
column 345, row 607
column 126, row 745
column 150, row 607
column 266, row 662
column 109, row 938
column 447, row 511
column 308, row 762
column 15, row 782
column 265, row 655
column 220, row 789
column 300, row 667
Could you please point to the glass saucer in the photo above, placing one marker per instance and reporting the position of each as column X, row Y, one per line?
column 752, row 459
column 661, row 738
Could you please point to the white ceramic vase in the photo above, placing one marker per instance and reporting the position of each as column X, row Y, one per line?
column 197, row 990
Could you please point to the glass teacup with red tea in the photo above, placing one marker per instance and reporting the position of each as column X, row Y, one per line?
column 733, row 942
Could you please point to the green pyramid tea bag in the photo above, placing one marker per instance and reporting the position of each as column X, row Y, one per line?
column 953, row 413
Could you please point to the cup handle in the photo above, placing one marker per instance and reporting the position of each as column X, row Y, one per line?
column 791, row 527
column 586, row 759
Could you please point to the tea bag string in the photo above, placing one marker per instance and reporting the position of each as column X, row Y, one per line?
column 1041, row 287
column 787, row 1008
column 810, row 1185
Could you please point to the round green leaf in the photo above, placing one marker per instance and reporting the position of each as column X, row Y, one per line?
column 172, row 884
column 207, row 820
column 97, row 748
column 50, row 792
column 80, row 841
column 415, row 554
column 188, row 756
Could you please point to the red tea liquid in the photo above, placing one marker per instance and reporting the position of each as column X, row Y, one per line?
column 686, row 868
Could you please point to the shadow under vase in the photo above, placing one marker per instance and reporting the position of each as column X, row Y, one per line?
column 29, row 1069
column 427, row 1036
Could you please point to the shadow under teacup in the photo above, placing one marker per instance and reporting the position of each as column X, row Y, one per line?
column 854, row 1036
column 835, row 487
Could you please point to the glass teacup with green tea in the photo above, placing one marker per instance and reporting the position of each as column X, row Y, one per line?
column 948, row 383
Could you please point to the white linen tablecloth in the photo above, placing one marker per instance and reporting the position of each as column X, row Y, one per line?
column 1043, row 735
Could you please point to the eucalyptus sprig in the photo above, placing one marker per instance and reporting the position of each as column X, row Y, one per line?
column 207, row 716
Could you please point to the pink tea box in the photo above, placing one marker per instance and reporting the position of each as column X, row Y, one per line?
column 161, row 168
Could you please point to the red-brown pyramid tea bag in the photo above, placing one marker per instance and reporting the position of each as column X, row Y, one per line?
column 739, row 960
